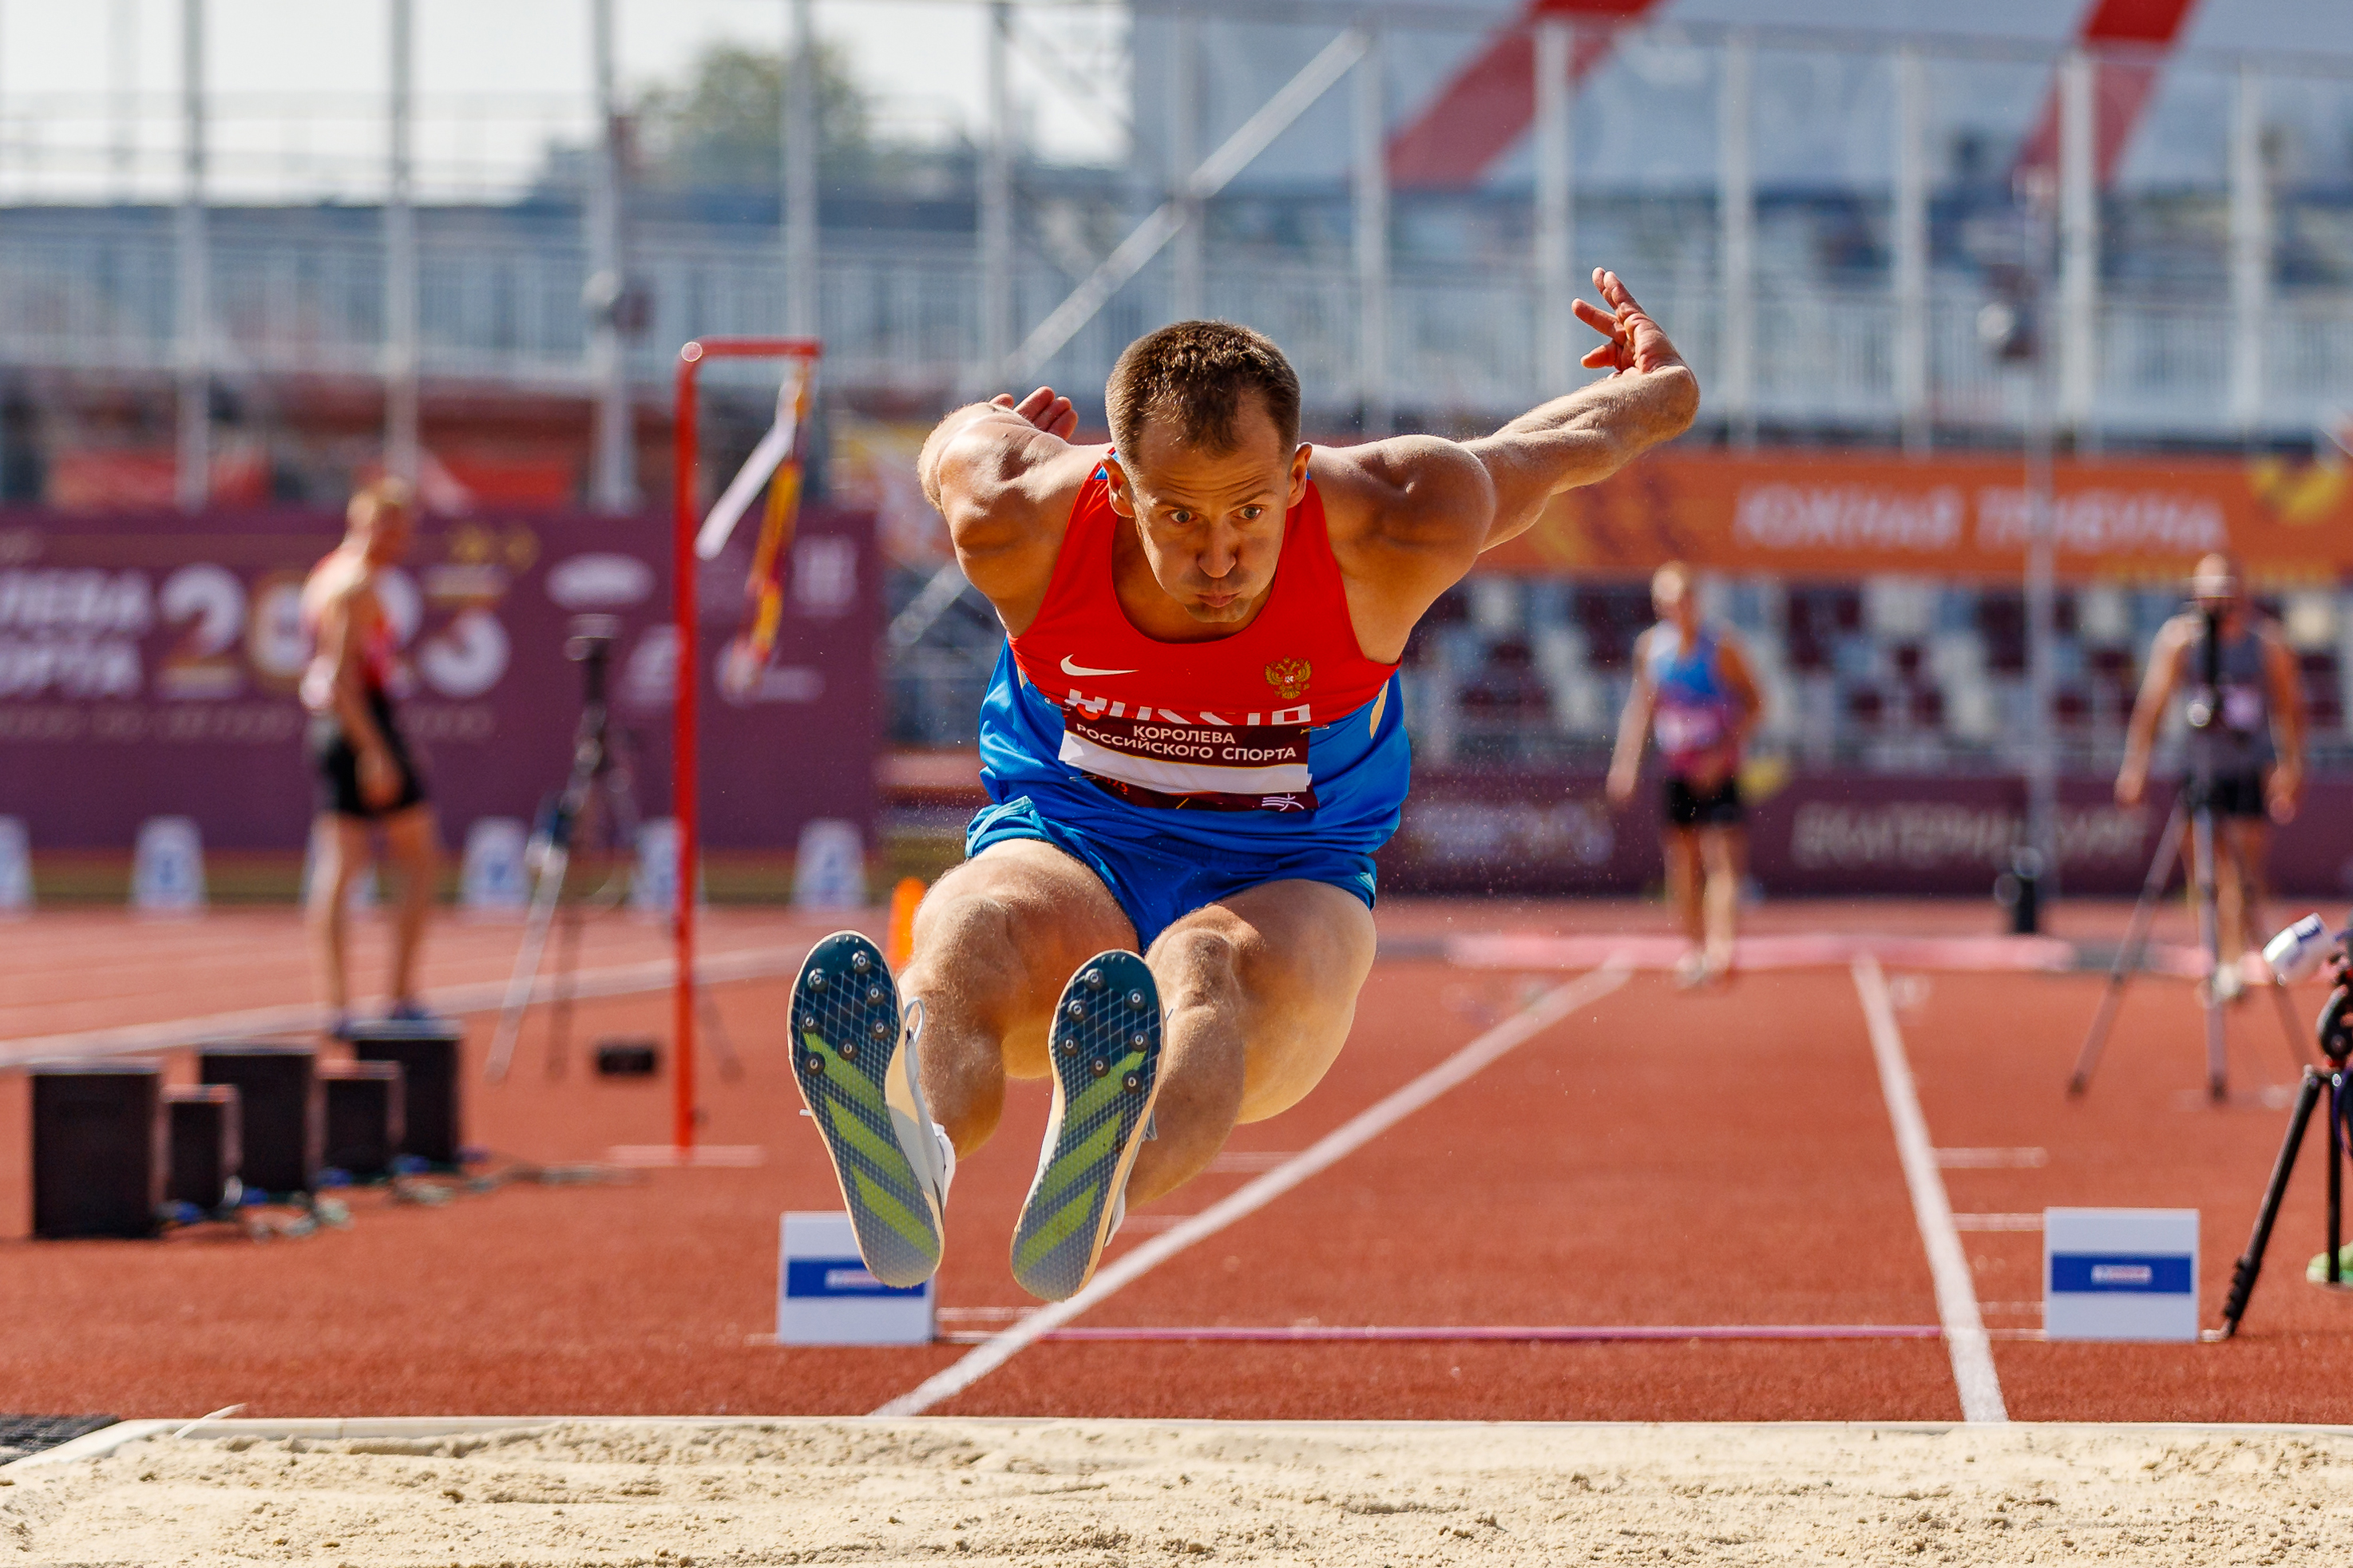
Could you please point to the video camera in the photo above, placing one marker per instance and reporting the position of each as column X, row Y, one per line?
column 2303, row 951
column 588, row 643
column 2204, row 706
column 590, row 638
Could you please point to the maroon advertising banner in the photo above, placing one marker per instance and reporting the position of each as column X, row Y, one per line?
column 148, row 665
column 1842, row 833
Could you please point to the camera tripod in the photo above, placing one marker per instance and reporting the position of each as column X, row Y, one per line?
column 2196, row 804
column 2200, row 817
column 596, row 809
column 2336, row 1031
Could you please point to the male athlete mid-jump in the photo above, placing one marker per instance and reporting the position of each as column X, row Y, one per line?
column 1194, row 745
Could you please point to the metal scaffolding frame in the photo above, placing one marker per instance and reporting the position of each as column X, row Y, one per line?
column 614, row 487
column 2274, row 346
column 402, row 437
column 192, row 315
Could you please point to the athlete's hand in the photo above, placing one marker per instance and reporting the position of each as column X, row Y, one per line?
column 379, row 777
column 2280, row 792
column 1620, row 787
column 1045, row 408
column 1635, row 343
column 2130, row 784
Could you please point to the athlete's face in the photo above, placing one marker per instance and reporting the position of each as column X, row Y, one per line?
column 386, row 535
column 1672, row 601
column 1211, row 522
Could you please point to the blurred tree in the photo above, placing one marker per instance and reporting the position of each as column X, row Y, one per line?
column 721, row 129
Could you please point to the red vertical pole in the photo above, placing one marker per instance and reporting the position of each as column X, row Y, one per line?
column 682, row 746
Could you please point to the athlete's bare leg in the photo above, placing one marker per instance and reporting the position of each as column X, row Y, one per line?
column 1721, row 849
column 1684, row 882
column 416, row 848
column 996, row 940
column 2242, row 852
column 1261, row 990
column 339, row 850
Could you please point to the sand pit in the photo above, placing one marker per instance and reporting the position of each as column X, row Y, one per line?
column 673, row 1494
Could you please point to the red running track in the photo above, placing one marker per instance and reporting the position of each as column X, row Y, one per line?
column 1657, row 1161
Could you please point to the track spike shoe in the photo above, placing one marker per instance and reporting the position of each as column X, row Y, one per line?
column 1105, row 1044
column 856, row 1066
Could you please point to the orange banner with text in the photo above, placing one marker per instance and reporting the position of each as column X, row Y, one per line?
column 1862, row 514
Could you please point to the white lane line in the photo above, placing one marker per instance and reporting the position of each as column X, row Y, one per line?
column 1948, row 1265
column 1993, row 1159
column 450, row 1001
column 1248, row 1199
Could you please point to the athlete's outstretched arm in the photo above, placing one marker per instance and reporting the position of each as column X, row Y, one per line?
column 1739, row 676
column 1650, row 396
column 1633, row 726
column 2157, row 684
column 2284, row 783
column 999, row 472
column 1411, row 514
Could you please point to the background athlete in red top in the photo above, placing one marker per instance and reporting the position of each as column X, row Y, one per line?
column 366, row 779
column 1259, row 987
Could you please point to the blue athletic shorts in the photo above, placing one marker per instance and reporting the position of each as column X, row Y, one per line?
column 1156, row 886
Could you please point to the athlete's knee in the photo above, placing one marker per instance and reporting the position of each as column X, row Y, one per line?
column 971, row 934
column 331, row 890
column 1206, row 964
column 419, row 856
column 1719, row 852
column 954, row 920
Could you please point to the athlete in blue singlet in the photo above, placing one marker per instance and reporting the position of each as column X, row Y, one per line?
column 1694, row 690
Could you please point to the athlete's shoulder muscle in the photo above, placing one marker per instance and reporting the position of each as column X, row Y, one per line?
column 1406, row 517
column 338, row 586
column 1639, row 656
column 1007, row 491
column 1407, row 496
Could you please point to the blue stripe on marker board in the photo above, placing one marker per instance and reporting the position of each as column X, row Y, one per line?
column 2144, row 1273
column 836, row 1277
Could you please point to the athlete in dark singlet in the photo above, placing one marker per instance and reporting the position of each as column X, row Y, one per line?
column 1694, row 690
column 1193, row 746
column 2253, row 752
column 365, row 776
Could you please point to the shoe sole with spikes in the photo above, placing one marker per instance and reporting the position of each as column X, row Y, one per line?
column 1105, row 1044
column 855, row 1067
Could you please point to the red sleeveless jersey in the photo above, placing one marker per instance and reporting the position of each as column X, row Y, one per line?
column 1222, row 724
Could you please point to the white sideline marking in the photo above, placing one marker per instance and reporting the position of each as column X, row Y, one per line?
column 450, row 1001
column 1993, row 1159
column 1248, row 1199
column 1957, row 1293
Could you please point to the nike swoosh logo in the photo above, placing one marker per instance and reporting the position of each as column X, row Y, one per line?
column 1081, row 670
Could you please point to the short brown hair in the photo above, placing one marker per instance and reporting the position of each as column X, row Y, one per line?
column 1195, row 373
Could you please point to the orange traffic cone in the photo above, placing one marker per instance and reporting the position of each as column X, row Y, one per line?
column 901, row 943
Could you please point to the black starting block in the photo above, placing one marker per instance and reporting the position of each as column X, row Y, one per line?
column 98, row 1149
column 281, row 1110
column 627, row 1058
column 427, row 1053
column 364, row 1118
column 207, row 1150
